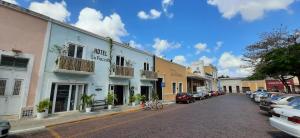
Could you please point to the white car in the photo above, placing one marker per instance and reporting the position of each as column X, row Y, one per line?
column 285, row 99
column 295, row 102
column 259, row 95
column 4, row 128
column 288, row 120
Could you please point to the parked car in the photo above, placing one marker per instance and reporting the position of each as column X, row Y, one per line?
column 259, row 95
column 295, row 102
column 4, row 128
column 263, row 95
column 265, row 104
column 248, row 93
column 288, row 120
column 184, row 97
column 285, row 99
column 199, row 95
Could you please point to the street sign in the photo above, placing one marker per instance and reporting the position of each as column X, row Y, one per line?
column 162, row 84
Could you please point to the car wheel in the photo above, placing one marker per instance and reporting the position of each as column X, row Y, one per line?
column 188, row 101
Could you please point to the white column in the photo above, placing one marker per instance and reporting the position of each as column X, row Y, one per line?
column 54, row 99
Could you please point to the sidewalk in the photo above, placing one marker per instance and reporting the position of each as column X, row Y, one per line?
column 30, row 124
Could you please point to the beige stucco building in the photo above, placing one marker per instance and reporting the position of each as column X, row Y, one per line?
column 172, row 79
column 253, row 85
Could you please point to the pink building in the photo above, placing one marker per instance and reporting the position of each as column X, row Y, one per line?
column 22, row 38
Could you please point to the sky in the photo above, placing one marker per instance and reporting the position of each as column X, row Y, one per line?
column 185, row 31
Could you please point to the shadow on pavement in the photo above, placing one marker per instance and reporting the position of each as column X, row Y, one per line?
column 279, row 134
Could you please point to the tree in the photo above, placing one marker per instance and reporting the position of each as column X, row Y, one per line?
column 275, row 55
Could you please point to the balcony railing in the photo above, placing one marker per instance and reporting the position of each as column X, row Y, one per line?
column 149, row 75
column 120, row 71
column 75, row 65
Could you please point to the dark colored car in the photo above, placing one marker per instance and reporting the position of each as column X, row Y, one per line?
column 184, row 97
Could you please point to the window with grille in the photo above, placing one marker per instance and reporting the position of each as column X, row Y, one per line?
column 17, row 87
column 2, row 87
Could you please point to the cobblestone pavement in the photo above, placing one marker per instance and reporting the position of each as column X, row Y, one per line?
column 232, row 116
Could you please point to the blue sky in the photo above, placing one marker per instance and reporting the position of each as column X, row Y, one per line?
column 183, row 30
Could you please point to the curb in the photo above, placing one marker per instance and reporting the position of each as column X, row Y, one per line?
column 93, row 117
column 26, row 130
column 73, row 121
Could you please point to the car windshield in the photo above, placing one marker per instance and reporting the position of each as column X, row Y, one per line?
column 276, row 97
column 295, row 102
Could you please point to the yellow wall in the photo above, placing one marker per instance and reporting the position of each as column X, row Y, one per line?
column 170, row 72
column 209, row 69
column 254, row 84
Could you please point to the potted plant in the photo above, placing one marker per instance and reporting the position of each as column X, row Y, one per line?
column 132, row 100
column 87, row 101
column 42, row 108
column 110, row 100
column 143, row 100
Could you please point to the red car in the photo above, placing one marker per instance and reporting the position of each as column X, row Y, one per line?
column 184, row 97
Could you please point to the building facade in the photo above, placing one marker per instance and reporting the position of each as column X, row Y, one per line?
column 172, row 79
column 79, row 62
column 253, row 85
column 211, row 73
column 231, row 85
column 22, row 39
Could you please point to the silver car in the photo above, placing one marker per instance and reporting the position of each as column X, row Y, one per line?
column 199, row 95
column 4, row 128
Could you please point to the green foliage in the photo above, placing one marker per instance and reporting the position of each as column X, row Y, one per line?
column 43, row 105
column 87, row 100
column 132, row 98
column 154, row 96
column 110, row 98
column 143, row 98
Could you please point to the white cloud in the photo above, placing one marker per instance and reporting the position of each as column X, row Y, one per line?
column 109, row 26
column 180, row 59
column 12, row 2
column 201, row 47
column 56, row 10
column 165, row 5
column 207, row 61
column 135, row 45
column 219, row 44
column 161, row 45
column 231, row 65
column 249, row 10
column 153, row 14
column 228, row 60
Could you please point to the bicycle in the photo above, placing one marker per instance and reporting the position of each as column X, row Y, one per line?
column 153, row 104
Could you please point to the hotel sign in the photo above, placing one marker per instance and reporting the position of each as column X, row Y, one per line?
column 99, row 54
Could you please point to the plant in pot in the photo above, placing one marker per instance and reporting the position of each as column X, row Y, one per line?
column 42, row 108
column 143, row 100
column 138, row 98
column 110, row 100
column 87, row 101
column 132, row 100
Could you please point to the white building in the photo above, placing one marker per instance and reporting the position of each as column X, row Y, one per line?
column 77, row 62
column 231, row 85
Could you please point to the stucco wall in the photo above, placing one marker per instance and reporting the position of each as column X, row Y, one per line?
column 60, row 35
column 231, row 82
column 170, row 72
column 254, row 85
column 26, row 33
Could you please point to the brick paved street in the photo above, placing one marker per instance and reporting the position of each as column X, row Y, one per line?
column 223, row 116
